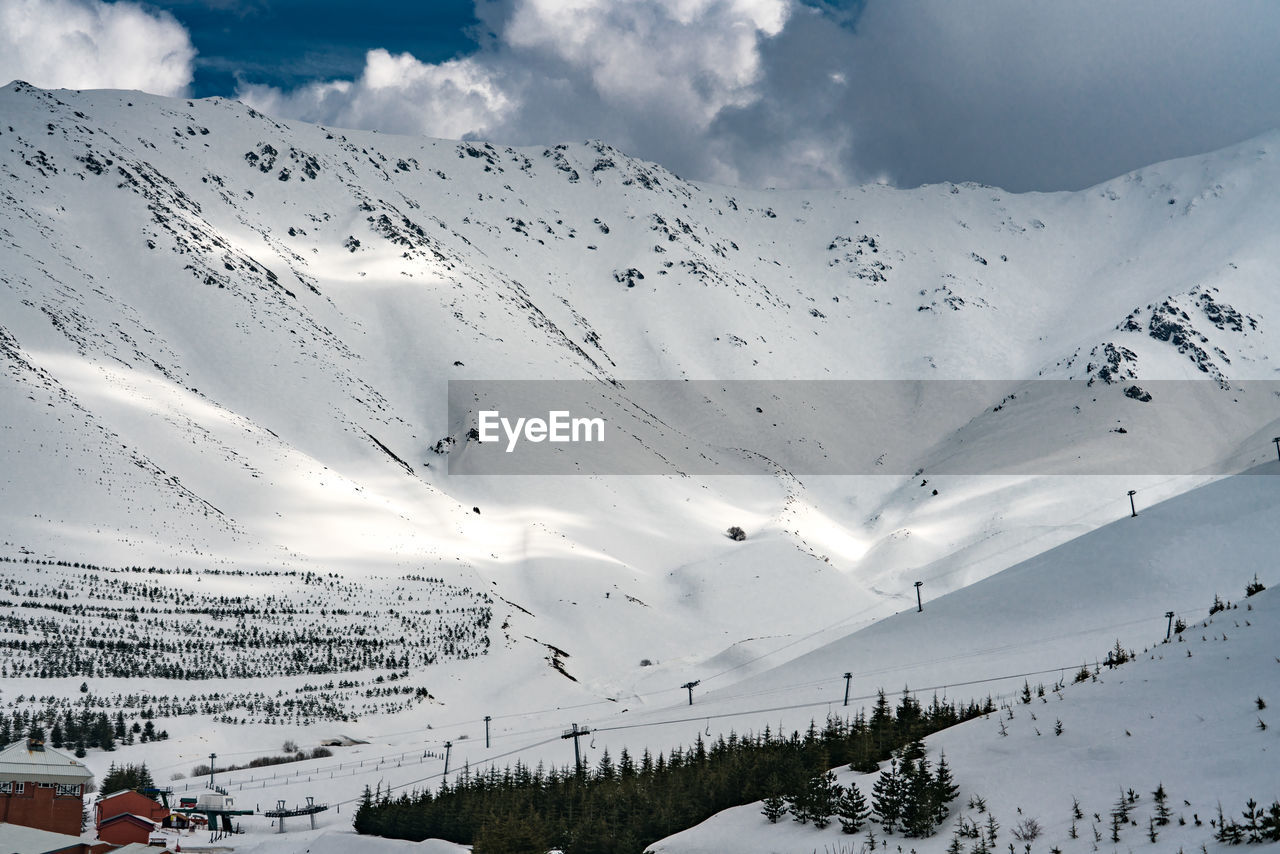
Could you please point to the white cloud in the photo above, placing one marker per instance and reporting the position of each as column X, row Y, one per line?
column 87, row 44
column 397, row 93
column 651, row 76
column 694, row 57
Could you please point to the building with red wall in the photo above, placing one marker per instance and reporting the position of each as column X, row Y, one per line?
column 125, row 828
column 129, row 801
column 41, row 788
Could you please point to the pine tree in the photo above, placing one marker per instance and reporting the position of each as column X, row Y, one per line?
column 798, row 804
column 886, row 797
column 1254, row 587
column 363, row 822
column 1253, row 821
column 135, row 777
column 993, row 829
column 852, row 810
column 774, row 808
column 945, row 789
column 881, row 723
column 1271, row 823
column 1162, row 807
column 919, row 810
column 821, row 795
column 1230, row 832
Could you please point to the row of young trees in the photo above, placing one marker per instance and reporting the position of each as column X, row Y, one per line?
column 909, row 797
column 912, row 796
column 624, row 804
column 77, row 731
column 128, row 776
column 60, row 619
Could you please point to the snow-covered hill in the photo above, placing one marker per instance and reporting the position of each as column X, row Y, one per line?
column 1188, row 718
column 227, row 341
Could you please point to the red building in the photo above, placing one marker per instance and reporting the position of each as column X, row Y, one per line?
column 126, row 828
column 129, row 801
column 41, row 788
column 127, row 816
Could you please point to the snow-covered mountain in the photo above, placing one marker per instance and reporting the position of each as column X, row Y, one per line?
column 227, row 341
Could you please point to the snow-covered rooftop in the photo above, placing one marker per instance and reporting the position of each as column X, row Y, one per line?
column 18, row 762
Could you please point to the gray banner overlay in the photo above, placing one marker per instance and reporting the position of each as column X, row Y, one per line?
column 861, row 427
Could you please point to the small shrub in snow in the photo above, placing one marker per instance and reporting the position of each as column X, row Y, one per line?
column 1027, row 830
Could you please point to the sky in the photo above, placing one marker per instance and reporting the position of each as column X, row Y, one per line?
column 1021, row 94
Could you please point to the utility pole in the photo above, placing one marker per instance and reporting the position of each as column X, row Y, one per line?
column 487, row 718
column 212, row 756
column 847, row 677
column 689, row 686
column 1277, row 441
column 1132, row 508
column 919, row 603
column 1168, row 633
column 575, row 733
column 447, row 746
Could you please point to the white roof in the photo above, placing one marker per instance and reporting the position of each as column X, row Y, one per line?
column 21, row 765
column 31, row 840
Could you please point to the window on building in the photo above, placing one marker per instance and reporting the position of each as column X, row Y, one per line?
column 68, row 790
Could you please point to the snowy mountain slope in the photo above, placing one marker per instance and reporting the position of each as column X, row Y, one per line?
column 1190, row 717
column 227, row 340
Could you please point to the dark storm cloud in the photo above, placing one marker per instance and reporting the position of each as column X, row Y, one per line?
column 1055, row 95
